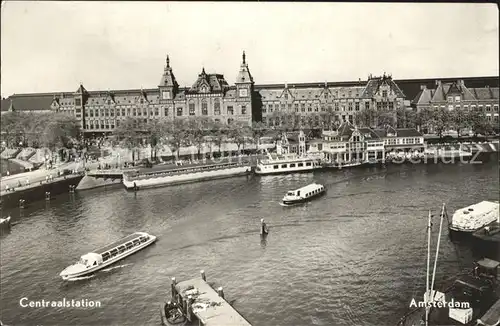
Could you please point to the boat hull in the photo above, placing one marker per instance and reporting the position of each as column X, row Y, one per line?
column 110, row 261
column 166, row 322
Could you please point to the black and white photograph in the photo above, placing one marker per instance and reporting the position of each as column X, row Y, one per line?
column 195, row 163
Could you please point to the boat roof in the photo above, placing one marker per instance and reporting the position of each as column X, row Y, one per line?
column 312, row 186
column 488, row 263
column 479, row 208
column 120, row 242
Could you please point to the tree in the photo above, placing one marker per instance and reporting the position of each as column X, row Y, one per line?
column 197, row 130
column 441, row 121
column 238, row 131
column 155, row 129
column 176, row 135
column 220, row 133
column 459, row 120
column 479, row 123
column 258, row 131
column 126, row 132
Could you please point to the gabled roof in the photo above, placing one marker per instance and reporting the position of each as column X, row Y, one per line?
column 215, row 83
column 486, row 93
column 28, row 102
column 374, row 84
column 423, row 97
column 368, row 133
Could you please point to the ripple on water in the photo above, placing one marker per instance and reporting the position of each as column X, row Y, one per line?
column 356, row 256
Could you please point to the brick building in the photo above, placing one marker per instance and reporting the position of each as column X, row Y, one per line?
column 457, row 96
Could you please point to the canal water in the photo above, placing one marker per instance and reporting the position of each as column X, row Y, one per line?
column 355, row 256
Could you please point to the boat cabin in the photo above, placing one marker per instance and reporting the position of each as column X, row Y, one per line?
column 119, row 248
column 91, row 260
column 487, row 268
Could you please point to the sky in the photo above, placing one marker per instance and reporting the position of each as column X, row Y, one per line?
column 55, row 46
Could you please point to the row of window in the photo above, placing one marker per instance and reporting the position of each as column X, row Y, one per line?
column 403, row 141
column 156, row 111
column 473, row 107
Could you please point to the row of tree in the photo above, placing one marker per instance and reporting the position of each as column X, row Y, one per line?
column 177, row 133
column 51, row 130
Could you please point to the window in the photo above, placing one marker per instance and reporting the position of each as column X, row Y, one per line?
column 112, row 113
column 166, row 95
column 450, row 99
column 141, row 101
column 391, row 105
column 264, row 110
column 179, row 111
column 350, row 106
column 157, row 112
column 367, row 105
column 191, row 109
column 134, row 112
column 204, row 108
column 123, row 112
column 78, row 101
column 91, row 113
column 276, row 107
column 356, row 106
column 495, row 108
column 457, row 98
column 230, row 110
column 107, row 112
column 296, row 105
column 303, row 107
column 384, row 93
column 282, row 106
column 488, row 108
column 309, row 109
column 217, row 107
column 289, row 107
column 243, row 109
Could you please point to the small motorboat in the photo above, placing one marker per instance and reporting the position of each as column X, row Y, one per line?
column 171, row 314
column 303, row 194
column 5, row 221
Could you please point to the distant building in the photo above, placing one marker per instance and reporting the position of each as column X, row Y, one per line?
column 457, row 96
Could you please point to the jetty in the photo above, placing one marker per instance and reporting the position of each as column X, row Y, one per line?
column 202, row 303
column 491, row 317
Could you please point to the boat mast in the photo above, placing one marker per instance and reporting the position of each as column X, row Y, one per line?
column 429, row 226
column 437, row 250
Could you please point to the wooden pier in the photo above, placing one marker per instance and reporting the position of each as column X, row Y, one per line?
column 492, row 316
column 201, row 302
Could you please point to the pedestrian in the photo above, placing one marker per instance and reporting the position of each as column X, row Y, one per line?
column 46, row 178
column 27, row 181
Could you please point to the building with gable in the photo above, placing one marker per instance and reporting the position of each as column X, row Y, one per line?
column 456, row 96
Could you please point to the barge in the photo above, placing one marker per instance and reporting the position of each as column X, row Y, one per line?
column 100, row 258
column 135, row 180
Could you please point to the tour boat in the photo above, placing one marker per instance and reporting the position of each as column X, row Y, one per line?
column 98, row 259
column 172, row 314
column 303, row 194
column 286, row 164
column 471, row 218
column 5, row 221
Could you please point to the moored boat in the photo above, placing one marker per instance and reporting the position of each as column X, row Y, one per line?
column 98, row 259
column 472, row 218
column 287, row 164
column 5, row 221
column 303, row 194
column 172, row 314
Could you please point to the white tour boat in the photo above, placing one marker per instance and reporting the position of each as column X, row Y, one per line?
column 286, row 164
column 303, row 194
column 474, row 217
column 98, row 259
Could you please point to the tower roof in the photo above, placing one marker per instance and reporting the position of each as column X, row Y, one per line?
column 168, row 78
column 244, row 75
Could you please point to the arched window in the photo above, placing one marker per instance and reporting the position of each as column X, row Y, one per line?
column 204, row 107
column 216, row 106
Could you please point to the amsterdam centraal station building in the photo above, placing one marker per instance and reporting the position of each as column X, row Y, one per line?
column 212, row 96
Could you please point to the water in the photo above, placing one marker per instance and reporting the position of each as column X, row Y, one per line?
column 355, row 256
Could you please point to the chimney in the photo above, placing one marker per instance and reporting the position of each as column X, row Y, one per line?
column 423, row 87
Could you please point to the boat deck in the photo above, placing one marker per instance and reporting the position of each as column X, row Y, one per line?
column 117, row 243
column 209, row 307
column 492, row 316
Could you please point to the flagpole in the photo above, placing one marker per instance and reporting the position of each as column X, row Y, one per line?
column 428, row 268
column 437, row 250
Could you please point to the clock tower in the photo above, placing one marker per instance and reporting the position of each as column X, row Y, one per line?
column 168, row 85
column 244, row 82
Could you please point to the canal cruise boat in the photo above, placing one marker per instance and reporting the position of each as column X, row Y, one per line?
column 303, row 194
column 98, row 259
column 472, row 218
column 286, row 164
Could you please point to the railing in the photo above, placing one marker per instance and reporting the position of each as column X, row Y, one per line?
column 149, row 175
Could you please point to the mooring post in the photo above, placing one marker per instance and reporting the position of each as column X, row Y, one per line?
column 189, row 309
column 220, row 291
column 173, row 288
column 203, row 277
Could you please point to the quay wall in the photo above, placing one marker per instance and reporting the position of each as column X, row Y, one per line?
column 176, row 179
column 37, row 191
